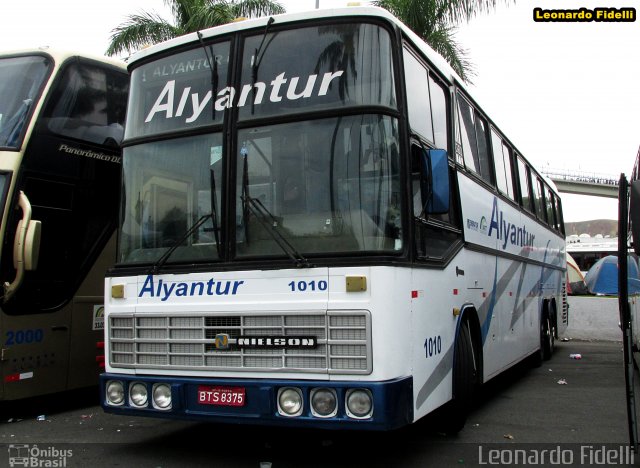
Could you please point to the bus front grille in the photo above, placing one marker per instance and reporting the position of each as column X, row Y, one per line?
column 188, row 341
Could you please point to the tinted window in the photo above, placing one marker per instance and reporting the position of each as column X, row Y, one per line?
column 559, row 217
column 417, row 83
column 538, row 200
column 473, row 139
column 21, row 79
column 551, row 219
column 467, row 136
column 329, row 185
column 175, row 93
column 5, row 179
column 168, row 188
column 342, row 65
column 502, row 162
column 88, row 104
column 440, row 115
column 525, row 189
column 482, row 135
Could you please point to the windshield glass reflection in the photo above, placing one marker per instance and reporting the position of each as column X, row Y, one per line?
column 21, row 79
column 167, row 190
column 326, row 186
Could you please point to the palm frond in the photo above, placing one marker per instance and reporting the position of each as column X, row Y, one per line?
column 443, row 41
column 458, row 11
column 182, row 10
column 434, row 20
column 208, row 16
column 255, row 8
column 140, row 30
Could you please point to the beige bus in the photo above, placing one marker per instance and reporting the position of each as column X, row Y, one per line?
column 61, row 123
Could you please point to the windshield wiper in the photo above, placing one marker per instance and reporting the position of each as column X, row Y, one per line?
column 162, row 260
column 214, row 211
column 213, row 67
column 269, row 222
column 257, row 58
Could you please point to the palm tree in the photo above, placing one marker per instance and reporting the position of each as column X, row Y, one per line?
column 189, row 16
column 434, row 21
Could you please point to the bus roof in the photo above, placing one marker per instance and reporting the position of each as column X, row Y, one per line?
column 60, row 55
column 285, row 18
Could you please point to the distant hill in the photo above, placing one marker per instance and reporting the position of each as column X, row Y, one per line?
column 606, row 227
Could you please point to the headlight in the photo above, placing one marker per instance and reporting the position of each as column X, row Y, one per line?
column 359, row 403
column 324, row 402
column 290, row 401
column 138, row 394
column 162, row 396
column 115, row 392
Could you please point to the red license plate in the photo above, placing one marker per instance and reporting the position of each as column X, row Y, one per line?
column 221, row 396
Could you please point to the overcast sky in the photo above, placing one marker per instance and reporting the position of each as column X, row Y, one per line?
column 566, row 94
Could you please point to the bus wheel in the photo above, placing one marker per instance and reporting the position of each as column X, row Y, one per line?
column 547, row 340
column 465, row 381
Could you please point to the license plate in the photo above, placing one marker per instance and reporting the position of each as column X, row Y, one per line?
column 221, row 396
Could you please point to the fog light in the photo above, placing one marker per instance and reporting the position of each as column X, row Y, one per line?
column 162, row 396
column 290, row 401
column 115, row 392
column 323, row 402
column 359, row 403
column 138, row 394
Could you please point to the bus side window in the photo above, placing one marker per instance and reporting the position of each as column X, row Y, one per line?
column 483, row 149
column 548, row 199
column 502, row 162
column 417, row 190
column 417, row 84
column 538, row 201
column 472, row 136
column 439, row 111
column 559, row 217
column 525, row 189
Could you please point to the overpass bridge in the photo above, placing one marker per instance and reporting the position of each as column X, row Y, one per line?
column 584, row 183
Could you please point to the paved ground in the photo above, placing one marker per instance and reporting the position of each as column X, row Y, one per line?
column 594, row 318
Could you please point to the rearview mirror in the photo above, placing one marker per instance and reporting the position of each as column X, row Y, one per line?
column 435, row 169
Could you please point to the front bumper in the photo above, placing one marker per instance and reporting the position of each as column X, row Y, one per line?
column 392, row 402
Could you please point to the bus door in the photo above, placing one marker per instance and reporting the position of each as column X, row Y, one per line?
column 71, row 176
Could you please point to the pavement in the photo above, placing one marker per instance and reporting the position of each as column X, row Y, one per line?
column 594, row 318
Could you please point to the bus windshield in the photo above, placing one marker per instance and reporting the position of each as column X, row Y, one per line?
column 329, row 185
column 325, row 181
column 21, row 79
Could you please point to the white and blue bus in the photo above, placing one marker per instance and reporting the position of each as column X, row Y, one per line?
column 320, row 227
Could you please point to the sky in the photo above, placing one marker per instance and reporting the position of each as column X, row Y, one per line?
column 566, row 94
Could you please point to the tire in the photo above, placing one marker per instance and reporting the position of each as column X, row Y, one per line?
column 547, row 341
column 465, row 382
